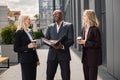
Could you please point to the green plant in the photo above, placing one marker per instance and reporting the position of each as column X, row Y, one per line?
column 36, row 16
column 38, row 34
column 7, row 34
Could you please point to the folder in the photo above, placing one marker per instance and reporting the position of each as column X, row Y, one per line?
column 52, row 42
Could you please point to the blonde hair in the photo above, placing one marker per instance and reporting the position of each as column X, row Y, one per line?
column 21, row 22
column 91, row 18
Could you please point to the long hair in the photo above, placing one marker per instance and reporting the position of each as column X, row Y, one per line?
column 90, row 18
column 21, row 22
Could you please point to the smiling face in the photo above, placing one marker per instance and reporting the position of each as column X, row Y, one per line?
column 89, row 18
column 27, row 22
column 84, row 17
column 57, row 15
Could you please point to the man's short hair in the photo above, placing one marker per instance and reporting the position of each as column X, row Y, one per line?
column 57, row 11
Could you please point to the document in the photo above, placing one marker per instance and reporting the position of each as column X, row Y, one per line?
column 52, row 42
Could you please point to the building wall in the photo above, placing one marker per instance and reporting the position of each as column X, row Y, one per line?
column 72, row 12
column 78, row 21
column 45, row 12
column 92, row 4
column 3, row 16
column 113, row 37
column 108, row 15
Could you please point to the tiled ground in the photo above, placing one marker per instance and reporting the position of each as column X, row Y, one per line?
column 14, row 72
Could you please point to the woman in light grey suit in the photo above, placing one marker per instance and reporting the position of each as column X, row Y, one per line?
column 59, row 54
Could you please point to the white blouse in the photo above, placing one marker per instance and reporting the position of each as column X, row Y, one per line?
column 86, row 32
column 29, row 35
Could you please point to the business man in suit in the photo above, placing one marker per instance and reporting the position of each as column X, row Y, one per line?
column 59, row 54
column 27, row 55
column 92, row 46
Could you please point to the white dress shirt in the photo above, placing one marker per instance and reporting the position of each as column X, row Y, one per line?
column 58, row 26
column 29, row 35
column 86, row 32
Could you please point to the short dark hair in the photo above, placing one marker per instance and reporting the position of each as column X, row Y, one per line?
column 57, row 11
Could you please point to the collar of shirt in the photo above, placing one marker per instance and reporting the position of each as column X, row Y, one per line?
column 27, row 31
column 58, row 26
column 86, row 32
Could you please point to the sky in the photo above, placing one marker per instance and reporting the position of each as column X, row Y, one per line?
column 27, row 7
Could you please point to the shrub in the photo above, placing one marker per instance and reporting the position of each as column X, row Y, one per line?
column 7, row 34
column 38, row 34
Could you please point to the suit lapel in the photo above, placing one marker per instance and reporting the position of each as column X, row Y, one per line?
column 61, row 27
column 55, row 28
column 83, row 33
column 55, row 34
column 89, row 31
column 88, row 34
column 27, row 37
column 30, row 32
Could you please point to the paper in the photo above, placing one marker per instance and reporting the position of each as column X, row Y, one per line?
column 53, row 42
column 50, row 42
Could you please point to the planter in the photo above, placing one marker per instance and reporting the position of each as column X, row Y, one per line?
column 7, row 50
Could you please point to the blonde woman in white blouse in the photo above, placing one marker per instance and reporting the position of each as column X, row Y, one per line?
column 27, row 55
column 91, row 45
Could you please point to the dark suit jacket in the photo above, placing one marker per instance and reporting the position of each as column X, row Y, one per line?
column 92, row 51
column 21, row 41
column 65, row 29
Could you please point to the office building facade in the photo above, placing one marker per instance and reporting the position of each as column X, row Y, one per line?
column 108, row 14
column 3, row 16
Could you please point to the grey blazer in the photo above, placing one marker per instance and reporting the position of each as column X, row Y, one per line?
column 65, row 29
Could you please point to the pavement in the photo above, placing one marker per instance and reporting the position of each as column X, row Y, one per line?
column 14, row 72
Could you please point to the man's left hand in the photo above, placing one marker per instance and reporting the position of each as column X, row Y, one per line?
column 59, row 46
